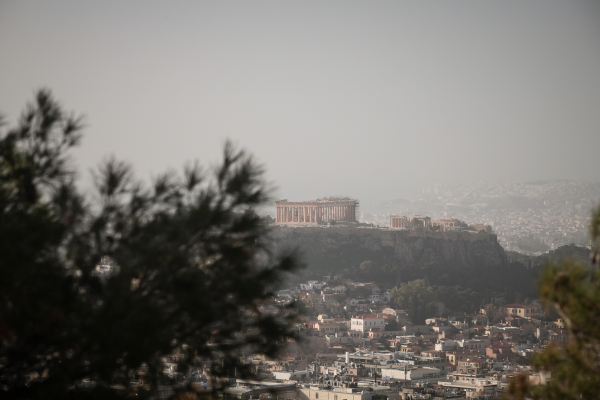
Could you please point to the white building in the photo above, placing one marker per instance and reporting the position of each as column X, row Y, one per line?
column 412, row 374
column 378, row 297
column 312, row 285
column 446, row 345
column 366, row 322
column 287, row 375
column 338, row 289
column 474, row 344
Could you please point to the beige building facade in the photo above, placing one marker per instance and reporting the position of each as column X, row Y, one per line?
column 522, row 310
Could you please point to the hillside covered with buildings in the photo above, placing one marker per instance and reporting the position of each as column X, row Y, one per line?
column 530, row 217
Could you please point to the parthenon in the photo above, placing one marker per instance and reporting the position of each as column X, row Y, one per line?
column 317, row 211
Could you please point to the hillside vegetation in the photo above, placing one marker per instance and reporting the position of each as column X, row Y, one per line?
column 423, row 283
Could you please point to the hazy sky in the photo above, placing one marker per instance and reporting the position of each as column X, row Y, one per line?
column 369, row 99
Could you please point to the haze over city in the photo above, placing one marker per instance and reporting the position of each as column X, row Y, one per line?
column 300, row 200
column 375, row 100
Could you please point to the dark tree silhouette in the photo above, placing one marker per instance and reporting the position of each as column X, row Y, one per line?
column 572, row 289
column 190, row 267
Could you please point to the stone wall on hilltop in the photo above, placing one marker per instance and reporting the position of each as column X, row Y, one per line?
column 400, row 247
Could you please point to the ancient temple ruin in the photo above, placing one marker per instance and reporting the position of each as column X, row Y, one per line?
column 403, row 222
column 320, row 211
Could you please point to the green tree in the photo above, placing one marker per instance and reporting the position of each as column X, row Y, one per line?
column 572, row 288
column 191, row 267
column 423, row 300
column 369, row 267
column 392, row 325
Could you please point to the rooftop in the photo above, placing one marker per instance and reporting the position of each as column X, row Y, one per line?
column 369, row 316
column 518, row 306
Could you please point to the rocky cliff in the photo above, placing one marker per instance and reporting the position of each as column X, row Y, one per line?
column 347, row 246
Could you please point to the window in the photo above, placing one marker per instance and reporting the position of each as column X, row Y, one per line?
column 316, row 395
column 335, row 397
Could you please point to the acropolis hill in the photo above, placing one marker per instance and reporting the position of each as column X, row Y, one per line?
column 335, row 245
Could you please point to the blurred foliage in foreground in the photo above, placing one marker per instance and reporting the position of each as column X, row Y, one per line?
column 192, row 267
column 572, row 288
